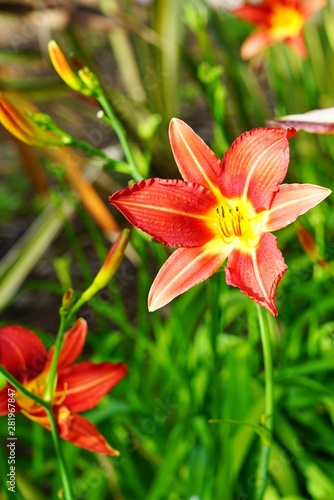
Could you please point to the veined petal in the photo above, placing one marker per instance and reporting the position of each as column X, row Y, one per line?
column 256, row 42
column 86, row 383
column 258, row 272
column 185, row 268
column 292, row 200
column 74, row 340
column 174, row 212
column 255, row 165
column 81, row 432
column 22, row 353
column 195, row 160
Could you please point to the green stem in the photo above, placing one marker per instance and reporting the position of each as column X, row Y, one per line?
column 53, row 428
column 69, row 140
column 64, row 473
column 85, row 296
column 51, row 380
column 121, row 134
column 269, row 405
column 118, row 165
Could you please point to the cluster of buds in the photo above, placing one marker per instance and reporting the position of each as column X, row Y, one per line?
column 22, row 119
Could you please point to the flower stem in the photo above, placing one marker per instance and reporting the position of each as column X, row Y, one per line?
column 269, row 405
column 118, row 165
column 51, row 380
column 121, row 134
column 64, row 474
column 53, row 427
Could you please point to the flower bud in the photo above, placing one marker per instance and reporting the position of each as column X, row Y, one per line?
column 109, row 266
column 64, row 70
column 307, row 242
column 89, row 79
column 22, row 125
column 67, row 301
column 83, row 81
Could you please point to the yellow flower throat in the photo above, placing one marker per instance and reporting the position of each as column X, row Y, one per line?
column 239, row 221
column 29, row 407
column 286, row 22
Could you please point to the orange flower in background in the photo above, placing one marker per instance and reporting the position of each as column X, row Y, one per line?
column 222, row 208
column 277, row 20
column 79, row 386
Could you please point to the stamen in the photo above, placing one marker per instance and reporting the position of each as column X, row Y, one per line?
column 61, row 395
column 239, row 222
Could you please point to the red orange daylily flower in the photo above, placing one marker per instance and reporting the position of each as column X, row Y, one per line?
column 277, row 20
column 79, row 386
column 222, row 208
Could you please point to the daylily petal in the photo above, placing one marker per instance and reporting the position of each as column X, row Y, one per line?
column 22, row 353
column 86, row 383
column 256, row 14
column 39, row 416
column 278, row 20
column 254, row 43
column 292, row 200
column 81, row 432
column 195, row 160
column 298, row 44
column 258, row 272
column 74, row 340
column 317, row 121
column 309, row 7
column 174, row 212
column 4, row 401
column 255, row 165
column 185, row 268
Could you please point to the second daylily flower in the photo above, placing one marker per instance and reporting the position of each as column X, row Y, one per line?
column 222, row 208
column 79, row 386
column 277, row 20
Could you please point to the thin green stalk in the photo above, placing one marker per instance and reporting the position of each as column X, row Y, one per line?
column 53, row 427
column 269, row 405
column 118, row 165
column 121, row 134
column 64, row 474
column 69, row 140
column 91, row 290
column 51, row 380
